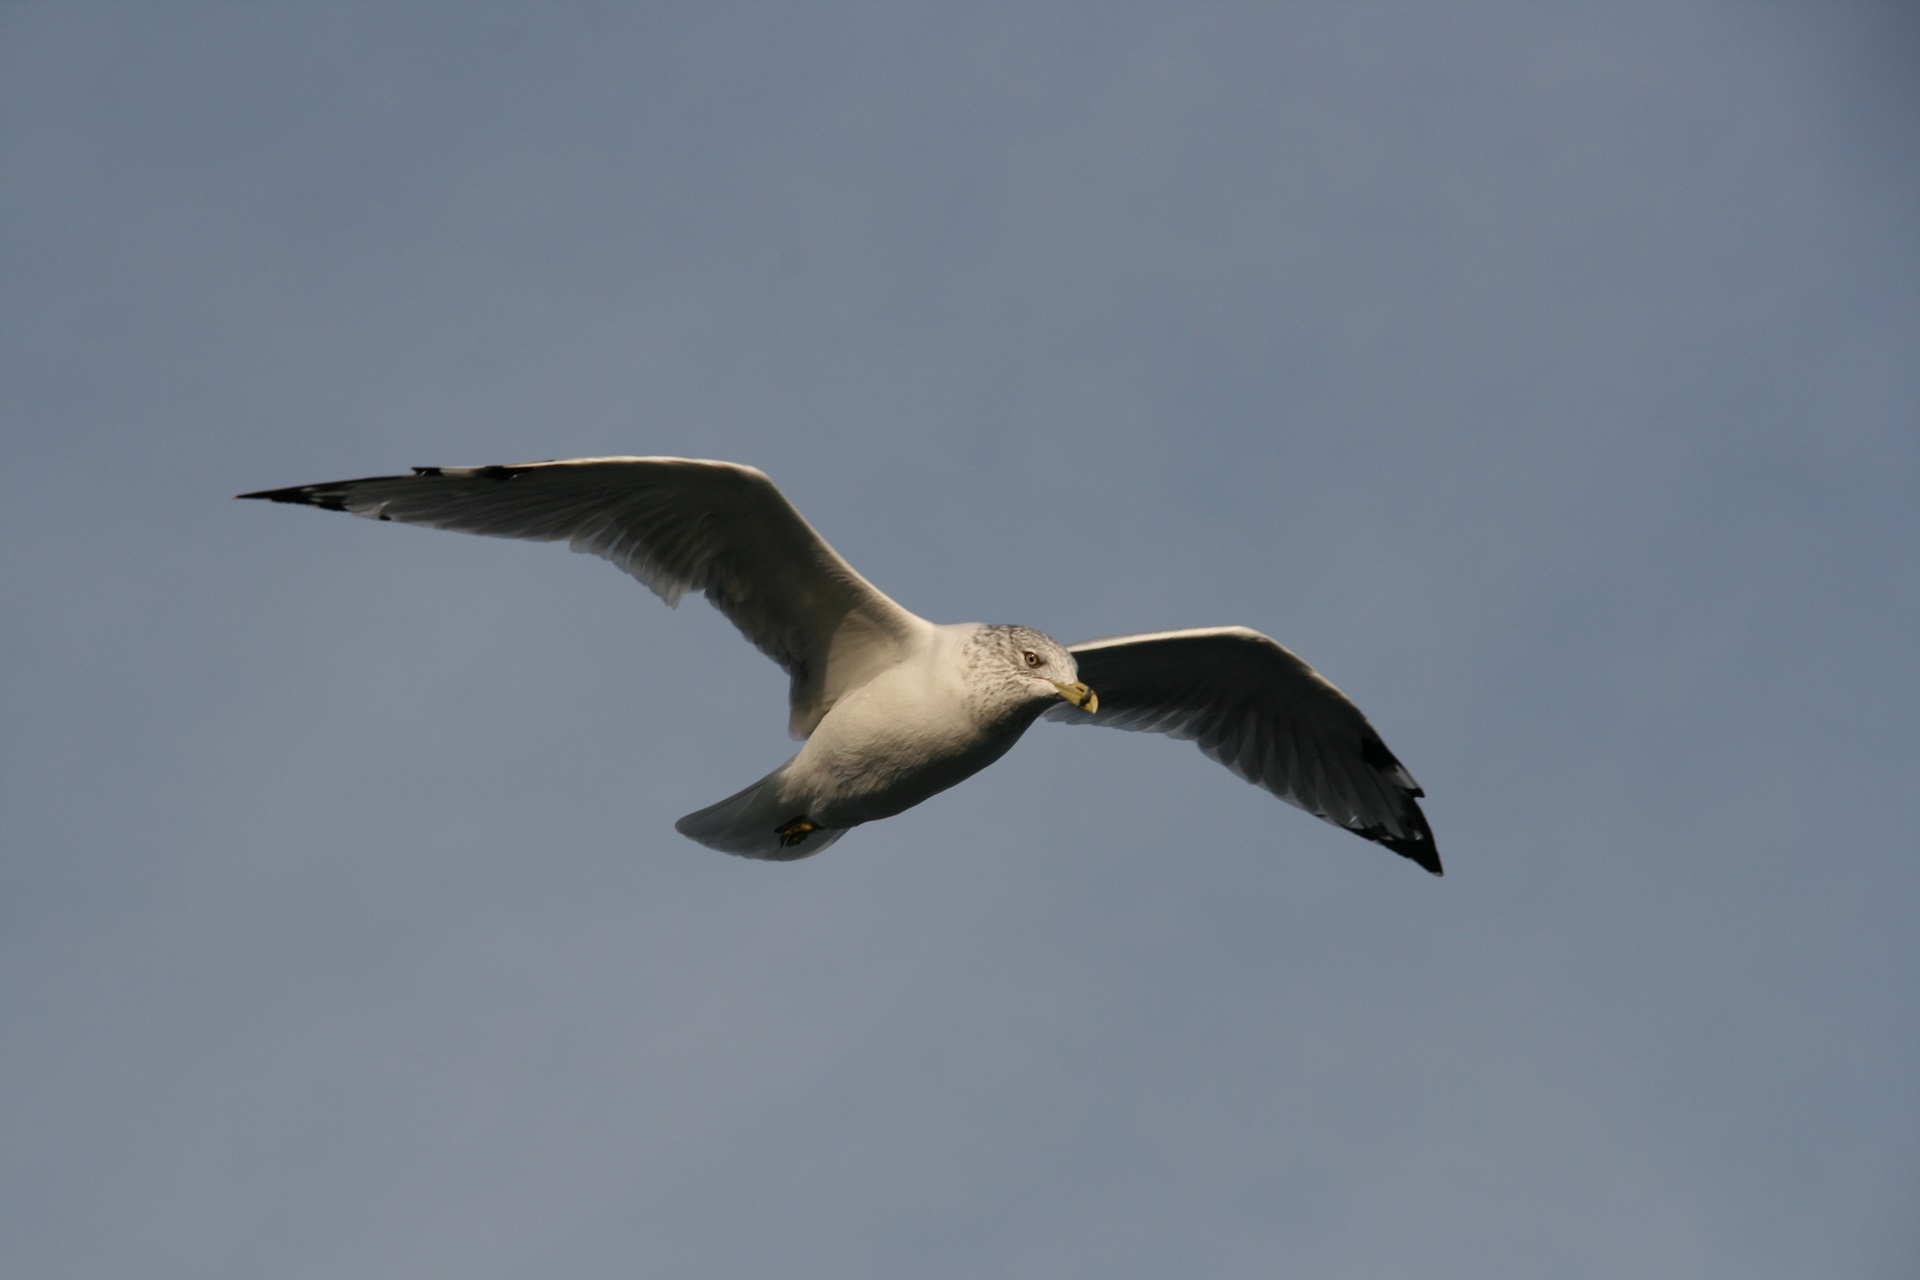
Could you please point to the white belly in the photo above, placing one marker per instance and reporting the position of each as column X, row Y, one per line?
column 889, row 745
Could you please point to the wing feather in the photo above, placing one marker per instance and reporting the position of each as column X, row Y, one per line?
column 677, row 525
column 1253, row 706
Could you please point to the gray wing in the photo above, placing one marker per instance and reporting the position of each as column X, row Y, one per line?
column 678, row 525
column 1266, row 715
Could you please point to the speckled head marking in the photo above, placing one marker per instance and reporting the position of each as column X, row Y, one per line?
column 1017, row 670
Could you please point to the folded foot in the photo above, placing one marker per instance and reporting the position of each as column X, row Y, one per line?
column 796, row 831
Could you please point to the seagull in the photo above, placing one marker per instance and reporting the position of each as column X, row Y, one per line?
column 893, row 708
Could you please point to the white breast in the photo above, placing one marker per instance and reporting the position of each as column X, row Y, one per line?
column 910, row 732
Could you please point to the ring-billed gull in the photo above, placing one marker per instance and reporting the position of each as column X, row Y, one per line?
column 894, row 708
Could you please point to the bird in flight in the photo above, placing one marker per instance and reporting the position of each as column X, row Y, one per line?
column 894, row 708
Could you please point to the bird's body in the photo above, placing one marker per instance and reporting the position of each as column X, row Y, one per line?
column 917, row 728
column 912, row 731
column 893, row 708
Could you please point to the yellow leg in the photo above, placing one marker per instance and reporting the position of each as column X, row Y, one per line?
column 796, row 831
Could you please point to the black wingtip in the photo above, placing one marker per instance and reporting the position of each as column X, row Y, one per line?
column 305, row 495
column 1417, row 848
column 1420, row 852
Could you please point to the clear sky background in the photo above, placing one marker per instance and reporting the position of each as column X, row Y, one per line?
column 1545, row 375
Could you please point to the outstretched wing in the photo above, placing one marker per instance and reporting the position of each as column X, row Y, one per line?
column 1266, row 715
column 678, row 525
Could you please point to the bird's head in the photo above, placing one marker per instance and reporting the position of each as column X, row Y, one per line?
column 1041, row 666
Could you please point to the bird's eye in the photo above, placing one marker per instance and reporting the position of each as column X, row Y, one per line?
column 1033, row 659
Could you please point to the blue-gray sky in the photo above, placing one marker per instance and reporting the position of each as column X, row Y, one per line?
column 1545, row 375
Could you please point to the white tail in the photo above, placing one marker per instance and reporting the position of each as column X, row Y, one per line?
column 747, row 824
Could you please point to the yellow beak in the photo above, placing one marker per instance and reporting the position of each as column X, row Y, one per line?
column 1079, row 695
